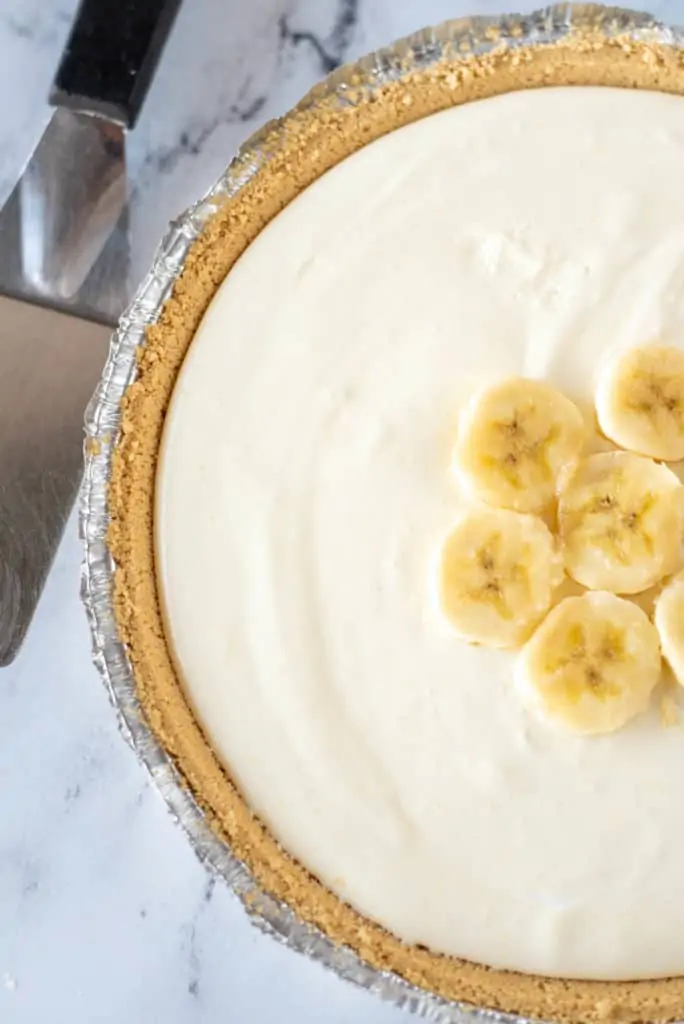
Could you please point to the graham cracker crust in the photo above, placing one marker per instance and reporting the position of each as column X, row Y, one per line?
column 303, row 147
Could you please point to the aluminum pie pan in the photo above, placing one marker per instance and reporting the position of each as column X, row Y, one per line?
column 474, row 36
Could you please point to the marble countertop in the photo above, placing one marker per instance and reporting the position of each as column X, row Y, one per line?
column 105, row 914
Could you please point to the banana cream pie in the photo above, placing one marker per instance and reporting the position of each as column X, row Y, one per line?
column 379, row 705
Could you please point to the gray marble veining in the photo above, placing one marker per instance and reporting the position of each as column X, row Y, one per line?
column 105, row 914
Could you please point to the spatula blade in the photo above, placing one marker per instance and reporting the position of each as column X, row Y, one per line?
column 72, row 194
column 49, row 363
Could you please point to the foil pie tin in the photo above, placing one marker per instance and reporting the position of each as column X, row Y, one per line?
column 478, row 35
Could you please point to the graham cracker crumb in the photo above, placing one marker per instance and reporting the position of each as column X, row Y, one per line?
column 302, row 147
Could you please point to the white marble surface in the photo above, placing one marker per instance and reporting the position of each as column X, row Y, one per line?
column 105, row 914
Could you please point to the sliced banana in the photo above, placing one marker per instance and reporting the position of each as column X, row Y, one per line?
column 621, row 522
column 497, row 574
column 640, row 401
column 513, row 441
column 669, row 620
column 592, row 664
column 669, row 710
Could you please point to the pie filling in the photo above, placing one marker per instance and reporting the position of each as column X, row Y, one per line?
column 305, row 487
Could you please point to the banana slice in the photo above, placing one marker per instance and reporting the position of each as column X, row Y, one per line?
column 640, row 401
column 513, row 441
column 497, row 574
column 669, row 620
column 592, row 664
column 621, row 522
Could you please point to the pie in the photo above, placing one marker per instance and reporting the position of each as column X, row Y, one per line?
column 282, row 481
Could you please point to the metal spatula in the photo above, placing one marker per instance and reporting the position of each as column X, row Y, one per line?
column 63, row 284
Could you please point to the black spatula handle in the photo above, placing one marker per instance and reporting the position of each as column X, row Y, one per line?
column 111, row 56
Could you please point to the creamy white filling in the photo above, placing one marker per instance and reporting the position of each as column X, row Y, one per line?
column 305, row 486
